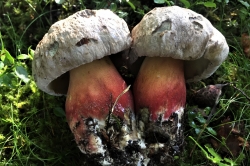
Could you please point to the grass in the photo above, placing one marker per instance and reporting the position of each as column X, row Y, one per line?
column 33, row 135
column 33, row 128
column 233, row 104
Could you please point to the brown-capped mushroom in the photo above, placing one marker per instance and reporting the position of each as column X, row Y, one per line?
column 179, row 45
column 71, row 60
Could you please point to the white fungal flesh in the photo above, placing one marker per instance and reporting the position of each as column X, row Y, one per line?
column 180, row 113
column 105, row 162
column 142, row 144
column 127, row 137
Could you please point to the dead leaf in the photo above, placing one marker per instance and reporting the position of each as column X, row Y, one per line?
column 208, row 96
column 245, row 42
column 231, row 133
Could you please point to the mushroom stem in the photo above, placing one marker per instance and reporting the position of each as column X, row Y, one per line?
column 160, row 87
column 92, row 91
column 160, row 96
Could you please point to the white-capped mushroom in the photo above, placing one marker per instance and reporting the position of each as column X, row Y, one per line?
column 179, row 45
column 72, row 59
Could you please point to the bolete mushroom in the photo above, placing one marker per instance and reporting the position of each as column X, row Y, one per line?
column 71, row 60
column 179, row 45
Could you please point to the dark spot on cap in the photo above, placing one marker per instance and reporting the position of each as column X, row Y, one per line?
column 199, row 18
column 196, row 18
column 149, row 13
column 197, row 25
column 82, row 42
column 164, row 27
column 52, row 49
column 85, row 41
column 87, row 13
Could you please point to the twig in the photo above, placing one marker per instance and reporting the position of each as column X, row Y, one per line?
column 123, row 92
column 113, row 107
column 240, row 91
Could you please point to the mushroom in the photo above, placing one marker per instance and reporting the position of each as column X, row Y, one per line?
column 179, row 45
column 72, row 59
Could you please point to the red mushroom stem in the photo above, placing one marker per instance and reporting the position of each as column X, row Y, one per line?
column 92, row 91
column 160, row 87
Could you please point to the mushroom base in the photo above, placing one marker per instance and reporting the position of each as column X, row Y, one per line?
column 160, row 96
column 102, row 127
column 164, row 139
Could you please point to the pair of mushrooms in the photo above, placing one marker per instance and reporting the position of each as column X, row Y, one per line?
column 72, row 59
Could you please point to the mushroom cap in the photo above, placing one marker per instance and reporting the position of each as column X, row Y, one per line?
column 181, row 34
column 79, row 39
